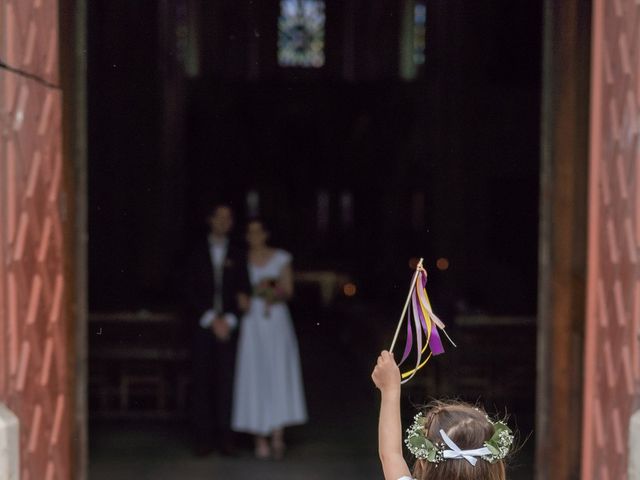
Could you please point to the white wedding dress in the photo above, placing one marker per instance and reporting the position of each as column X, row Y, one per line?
column 268, row 390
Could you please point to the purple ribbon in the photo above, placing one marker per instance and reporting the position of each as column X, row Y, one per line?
column 409, row 344
column 416, row 315
column 435, row 343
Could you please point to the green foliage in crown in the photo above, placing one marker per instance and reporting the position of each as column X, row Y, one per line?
column 421, row 447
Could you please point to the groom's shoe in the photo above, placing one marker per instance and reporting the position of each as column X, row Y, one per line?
column 228, row 450
column 227, row 444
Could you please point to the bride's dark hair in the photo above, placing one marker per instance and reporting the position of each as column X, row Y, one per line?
column 260, row 220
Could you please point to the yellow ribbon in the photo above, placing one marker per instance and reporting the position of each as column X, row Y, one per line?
column 406, row 376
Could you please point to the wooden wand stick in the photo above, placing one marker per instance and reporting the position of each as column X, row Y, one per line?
column 406, row 304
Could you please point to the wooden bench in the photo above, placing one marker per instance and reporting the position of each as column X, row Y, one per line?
column 138, row 365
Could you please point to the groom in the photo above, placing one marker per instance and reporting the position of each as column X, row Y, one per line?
column 217, row 290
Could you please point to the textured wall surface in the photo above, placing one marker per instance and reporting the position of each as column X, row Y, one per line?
column 612, row 361
column 34, row 380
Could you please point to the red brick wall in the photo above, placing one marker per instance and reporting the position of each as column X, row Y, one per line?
column 34, row 380
column 612, row 354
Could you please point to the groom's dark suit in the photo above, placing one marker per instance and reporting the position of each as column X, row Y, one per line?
column 213, row 359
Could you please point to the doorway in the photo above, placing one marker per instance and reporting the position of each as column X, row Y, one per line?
column 358, row 164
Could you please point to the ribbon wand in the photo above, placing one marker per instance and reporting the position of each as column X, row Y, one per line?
column 406, row 305
column 423, row 325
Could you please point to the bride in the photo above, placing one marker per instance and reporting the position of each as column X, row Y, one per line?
column 268, row 390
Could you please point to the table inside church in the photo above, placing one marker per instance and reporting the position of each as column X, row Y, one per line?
column 495, row 358
column 328, row 282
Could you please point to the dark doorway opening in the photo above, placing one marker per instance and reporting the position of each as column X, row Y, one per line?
column 360, row 165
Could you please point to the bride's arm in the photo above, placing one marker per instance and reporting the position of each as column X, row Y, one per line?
column 285, row 281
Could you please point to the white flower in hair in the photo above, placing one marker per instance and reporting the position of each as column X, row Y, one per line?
column 493, row 450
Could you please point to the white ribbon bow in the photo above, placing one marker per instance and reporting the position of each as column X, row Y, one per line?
column 455, row 452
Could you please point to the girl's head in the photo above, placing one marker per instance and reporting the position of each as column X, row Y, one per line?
column 469, row 428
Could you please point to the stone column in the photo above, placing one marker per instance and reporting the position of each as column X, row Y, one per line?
column 9, row 445
column 634, row 446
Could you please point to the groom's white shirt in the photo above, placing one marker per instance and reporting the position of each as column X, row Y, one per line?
column 218, row 254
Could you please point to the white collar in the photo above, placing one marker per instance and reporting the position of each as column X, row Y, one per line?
column 213, row 244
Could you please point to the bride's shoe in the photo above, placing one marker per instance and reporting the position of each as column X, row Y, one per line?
column 262, row 452
column 278, row 448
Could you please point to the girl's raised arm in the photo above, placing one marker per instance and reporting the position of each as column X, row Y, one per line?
column 386, row 376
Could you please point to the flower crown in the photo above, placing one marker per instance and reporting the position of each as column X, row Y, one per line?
column 494, row 449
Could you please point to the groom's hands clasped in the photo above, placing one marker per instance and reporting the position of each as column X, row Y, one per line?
column 221, row 329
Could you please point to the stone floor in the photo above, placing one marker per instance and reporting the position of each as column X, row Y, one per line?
column 152, row 453
column 339, row 442
column 160, row 455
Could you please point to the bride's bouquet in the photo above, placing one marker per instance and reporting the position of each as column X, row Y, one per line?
column 270, row 291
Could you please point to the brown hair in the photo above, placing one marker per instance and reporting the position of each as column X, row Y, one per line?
column 469, row 428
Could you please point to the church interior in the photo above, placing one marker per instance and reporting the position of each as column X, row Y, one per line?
column 391, row 131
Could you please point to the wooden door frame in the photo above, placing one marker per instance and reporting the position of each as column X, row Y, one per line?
column 73, row 78
column 563, row 237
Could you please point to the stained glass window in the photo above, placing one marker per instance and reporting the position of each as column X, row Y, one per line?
column 413, row 38
column 419, row 32
column 301, row 33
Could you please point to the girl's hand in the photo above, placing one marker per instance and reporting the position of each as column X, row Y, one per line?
column 386, row 374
